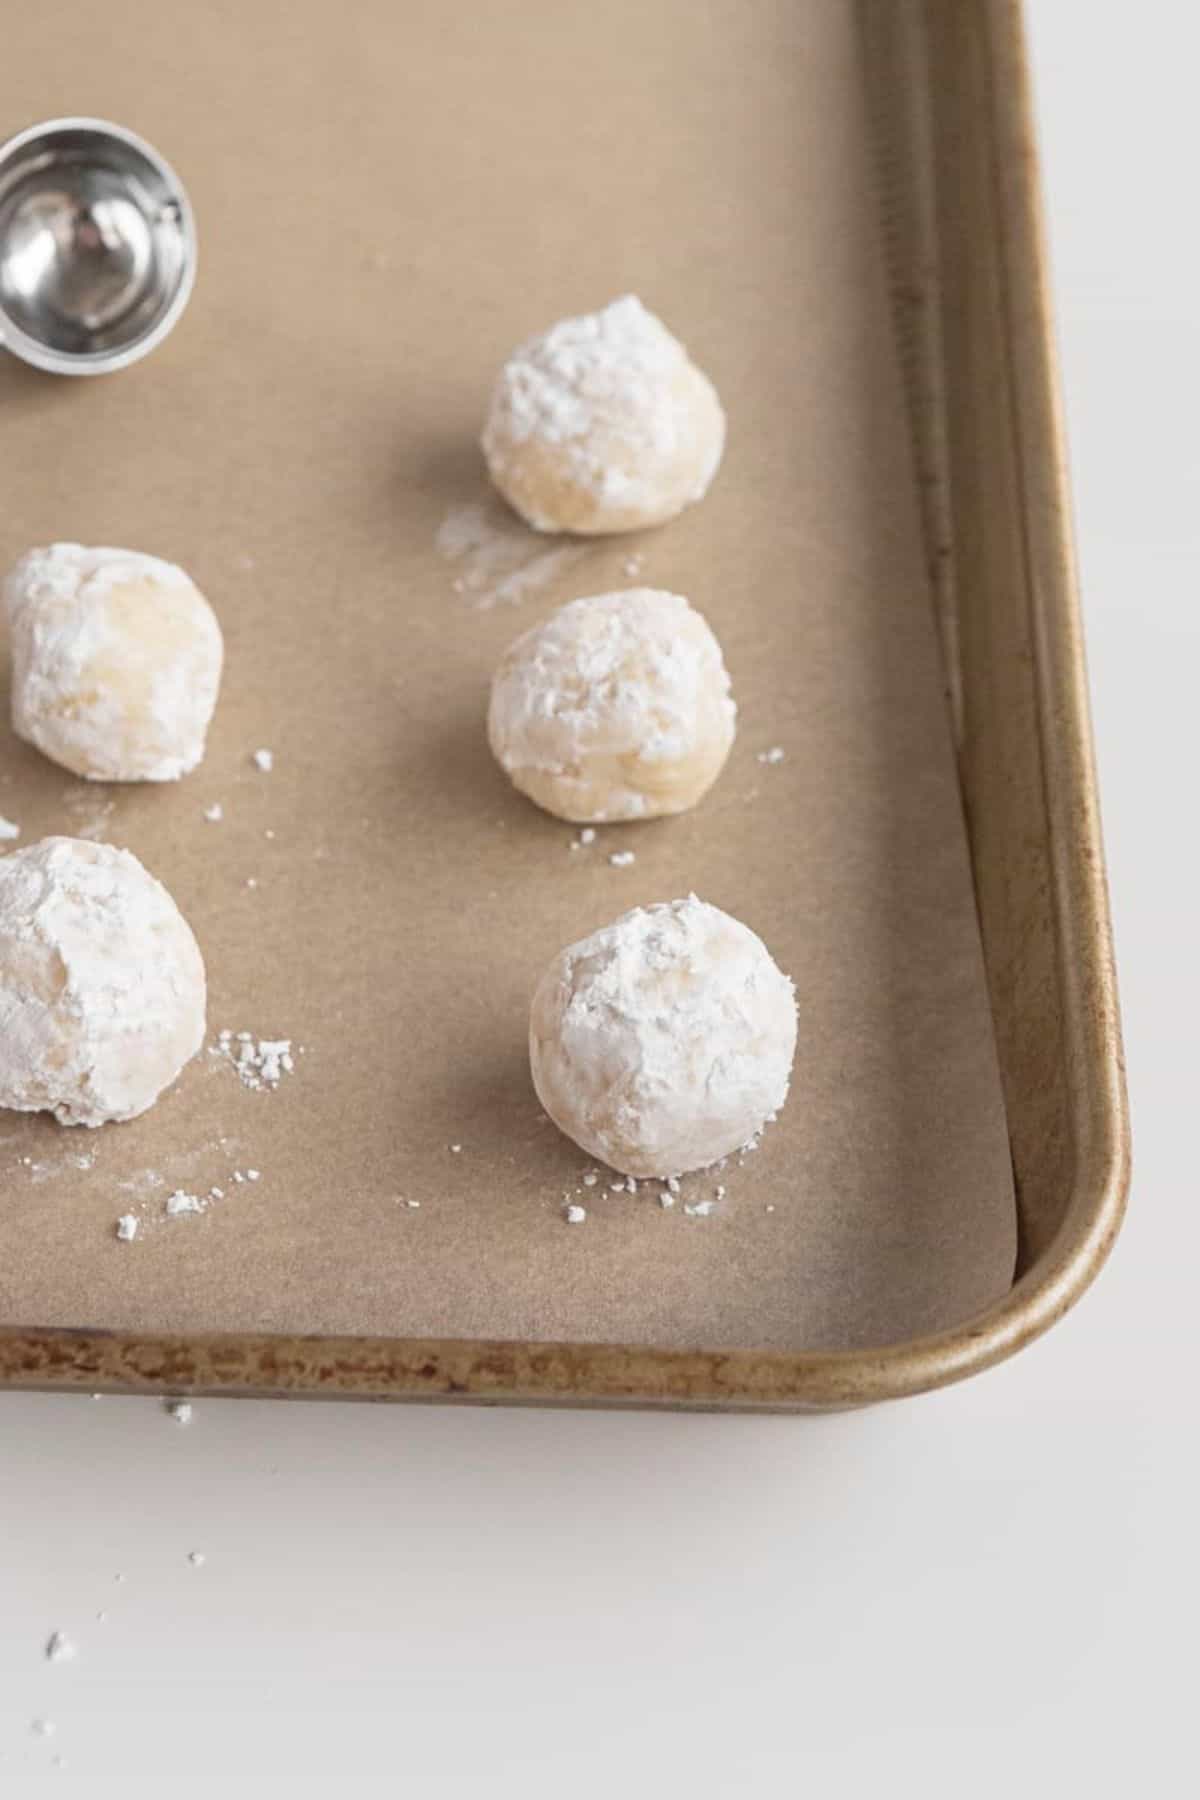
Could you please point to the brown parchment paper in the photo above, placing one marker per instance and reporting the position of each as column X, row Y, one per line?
column 389, row 197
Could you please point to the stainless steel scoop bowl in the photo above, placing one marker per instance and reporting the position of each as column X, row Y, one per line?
column 97, row 246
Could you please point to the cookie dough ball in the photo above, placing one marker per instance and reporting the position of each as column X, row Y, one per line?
column 603, row 424
column 664, row 1041
column 617, row 707
column 116, row 662
column 101, row 983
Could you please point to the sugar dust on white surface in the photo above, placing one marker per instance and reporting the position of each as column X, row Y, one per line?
column 127, row 1227
column 622, row 859
column 500, row 562
column 264, row 760
column 8, row 830
column 214, row 813
column 574, row 1215
column 197, row 1558
column 60, row 1648
column 774, row 755
column 180, row 1412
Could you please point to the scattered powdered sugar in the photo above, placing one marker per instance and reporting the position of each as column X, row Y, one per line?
column 586, row 837
column 214, row 813
column 127, row 1227
column 590, row 1178
column 621, row 859
column 264, row 760
column 575, row 1215
column 59, row 1648
column 8, row 831
column 88, row 812
column 699, row 1209
column 180, row 1411
column 179, row 1202
column 259, row 1062
column 197, row 1558
column 500, row 562
column 42, row 1727
column 632, row 566
column 666, row 1200
column 774, row 755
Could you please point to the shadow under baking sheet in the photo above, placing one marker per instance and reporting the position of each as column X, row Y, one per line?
column 381, row 899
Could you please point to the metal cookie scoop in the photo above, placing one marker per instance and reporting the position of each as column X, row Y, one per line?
column 97, row 246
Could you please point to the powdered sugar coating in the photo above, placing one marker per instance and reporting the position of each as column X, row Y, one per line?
column 664, row 1041
column 603, row 424
column 616, row 707
column 102, row 989
column 116, row 662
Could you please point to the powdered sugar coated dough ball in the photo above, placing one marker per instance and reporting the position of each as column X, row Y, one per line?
column 616, row 707
column 664, row 1041
column 603, row 424
column 102, row 990
column 116, row 662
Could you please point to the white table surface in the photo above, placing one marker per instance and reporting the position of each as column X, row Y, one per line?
column 982, row 1587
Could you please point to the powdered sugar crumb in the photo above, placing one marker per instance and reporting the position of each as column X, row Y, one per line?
column 575, row 1215
column 59, row 1648
column 180, row 1411
column 8, row 830
column 621, row 859
column 259, row 1062
column 774, row 755
column 214, row 813
column 264, row 760
column 127, row 1227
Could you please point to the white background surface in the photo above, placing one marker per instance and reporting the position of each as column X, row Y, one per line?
column 989, row 1585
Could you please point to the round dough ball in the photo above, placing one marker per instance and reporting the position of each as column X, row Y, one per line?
column 116, row 662
column 664, row 1041
column 101, row 983
column 617, row 707
column 603, row 424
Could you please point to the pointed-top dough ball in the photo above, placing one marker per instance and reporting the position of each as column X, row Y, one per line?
column 603, row 424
